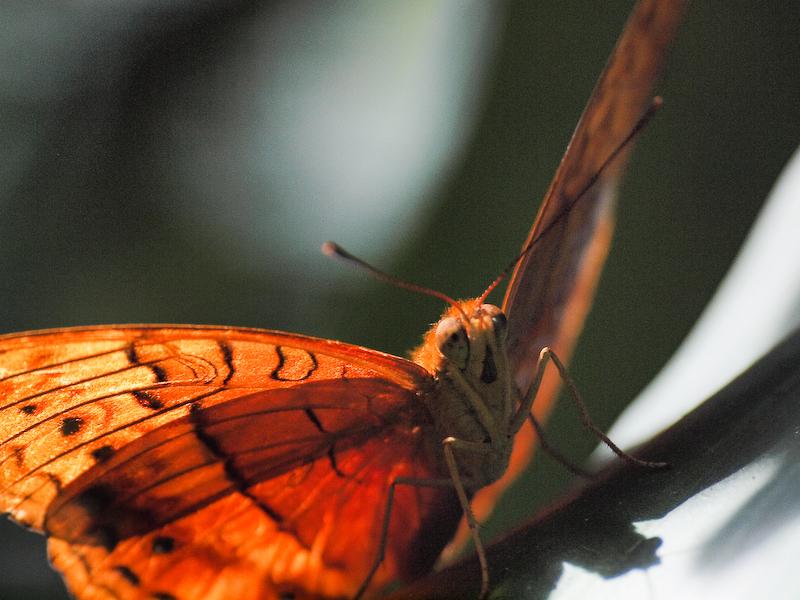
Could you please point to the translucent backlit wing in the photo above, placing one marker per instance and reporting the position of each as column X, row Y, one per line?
column 262, row 457
column 552, row 287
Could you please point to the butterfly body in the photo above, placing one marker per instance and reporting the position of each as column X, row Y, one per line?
column 473, row 401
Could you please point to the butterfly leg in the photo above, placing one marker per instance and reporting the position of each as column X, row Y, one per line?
column 449, row 444
column 455, row 482
column 541, row 438
column 527, row 403
column 387, row 515
column 524, row 412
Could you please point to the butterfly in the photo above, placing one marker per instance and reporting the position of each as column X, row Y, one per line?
column 183, row 462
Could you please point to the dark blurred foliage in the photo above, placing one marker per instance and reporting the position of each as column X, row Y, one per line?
column 116, row 118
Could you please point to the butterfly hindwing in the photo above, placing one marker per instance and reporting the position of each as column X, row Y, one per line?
column 316, row 526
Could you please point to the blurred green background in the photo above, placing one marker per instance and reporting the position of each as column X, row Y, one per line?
column 182, row 162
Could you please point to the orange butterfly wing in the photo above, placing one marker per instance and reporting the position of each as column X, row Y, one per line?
column 552, row 287
column 189, row 462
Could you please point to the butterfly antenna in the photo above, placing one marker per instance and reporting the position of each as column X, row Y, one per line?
column 655, row 104
column 335, row 250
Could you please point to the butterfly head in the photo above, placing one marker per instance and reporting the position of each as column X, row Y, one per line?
column 469, row 337
column 455, row 335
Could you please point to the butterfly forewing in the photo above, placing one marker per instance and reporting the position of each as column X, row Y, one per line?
column 551, row 287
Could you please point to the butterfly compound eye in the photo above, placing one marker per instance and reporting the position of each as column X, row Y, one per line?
column 451, row 338
column 498, row 319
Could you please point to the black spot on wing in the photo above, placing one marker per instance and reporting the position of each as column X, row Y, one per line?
column 163, row 544
column 128, row 574
column 96, row 499
column 278, row 374
column 131, row 355
column 163, row 596
column 133, row 359
column 275, row 373
column 107, row 517
column 147, row 400
column 312, row 416
column 29, row 409
column 159, row 372
column 227, row 356
column 71, row 425
column 103, row 453
column 332, row 461
column 106, row 536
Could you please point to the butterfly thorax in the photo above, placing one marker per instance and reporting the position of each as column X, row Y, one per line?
column 473, row 400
